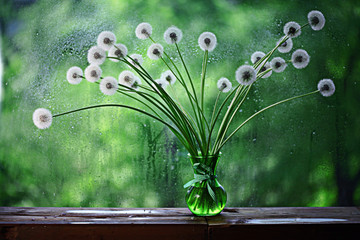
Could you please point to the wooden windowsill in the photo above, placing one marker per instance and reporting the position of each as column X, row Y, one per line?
column 179, row 223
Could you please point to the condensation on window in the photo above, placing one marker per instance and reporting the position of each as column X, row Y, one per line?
column 302, row 153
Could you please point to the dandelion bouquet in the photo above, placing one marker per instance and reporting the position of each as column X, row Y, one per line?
column 202, row 133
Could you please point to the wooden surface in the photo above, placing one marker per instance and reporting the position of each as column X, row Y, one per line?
column 179, row 223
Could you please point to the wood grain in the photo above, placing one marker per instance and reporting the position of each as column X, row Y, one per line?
column 179, row 223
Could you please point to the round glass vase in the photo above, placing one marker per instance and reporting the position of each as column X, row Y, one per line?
column 199, row 198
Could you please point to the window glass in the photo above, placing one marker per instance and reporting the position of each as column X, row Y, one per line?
column 301, row 153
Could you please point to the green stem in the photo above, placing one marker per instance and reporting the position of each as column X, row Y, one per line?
column 202, row 92
column 237, row 107
column 262, row 110
column 115, row 105
column 212, row 127
column 211, row 121
column 187, row 72
column 203, row 74
column 264, row 59
column 198, row 114
column 306, row 24
column 213, row 112
column 223, row 124
column 180, row 120
column 201, row 124
column 200, row 111
column 136, row 99
column 191, row 98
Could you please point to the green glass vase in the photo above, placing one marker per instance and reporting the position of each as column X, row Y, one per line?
column 205, row 196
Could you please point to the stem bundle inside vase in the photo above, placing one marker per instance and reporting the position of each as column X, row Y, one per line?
column 202, row 133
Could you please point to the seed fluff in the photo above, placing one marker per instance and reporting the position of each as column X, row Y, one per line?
column 42, row 118
column 172, row 35
column 207, row 41
column 326, row 87
column 245, row 75
column 106, row 40
column 224, row 85
column 74, row 75
column 300, row 58
column 108, row 86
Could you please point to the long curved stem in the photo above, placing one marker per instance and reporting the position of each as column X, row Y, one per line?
column 115, row 105
column 180, row 119
column 174, row 130
column 187, row 72
column 262, row 110
column 203, row 75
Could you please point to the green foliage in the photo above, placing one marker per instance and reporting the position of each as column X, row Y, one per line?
column 303, row 153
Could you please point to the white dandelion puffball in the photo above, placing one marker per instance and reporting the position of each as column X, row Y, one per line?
column 96, row 55
column 278, row 64
column 143, row 30
column 136, row 83
column 74, row 75
column 326, row 87
column 263, row 69
column 127, row 78
column 169, row 77
column 300, row 58
column 93, row 73
column 256, row 56
column 106, row 40
column 316, row 20
column 136, row 60
column 224, row 85
column 117, row 51
column 155, row 51
column 286, row 46
column 292, row 29
column 172, row 35
column 108, row 86
column 245, row 75
column 207, row 41
column 162, row 83
column 42, row 118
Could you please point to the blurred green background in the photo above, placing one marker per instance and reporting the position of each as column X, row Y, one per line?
column 303, row 153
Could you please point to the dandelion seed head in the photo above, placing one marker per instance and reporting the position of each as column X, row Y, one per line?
column 96, row 55
column 93, row 73
column 286, row 46
column 74, row 75
column 138, row 60
column 172, row 35
column 263, row 69
column 143, row 30
column 106, row 40
column 127, row 78
column 136, row 83
column 162, row 83
column 169, row 77
column 108, row 86
column 316, row 20
column 292, row 29
column 256, row 56
column 245, row 75
column 300, row 58
column 155, row 51
column 326, row 87
column 207, row 41
column 117, row 51
column 42, row 118
column 278, row 64
column 224, row 85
